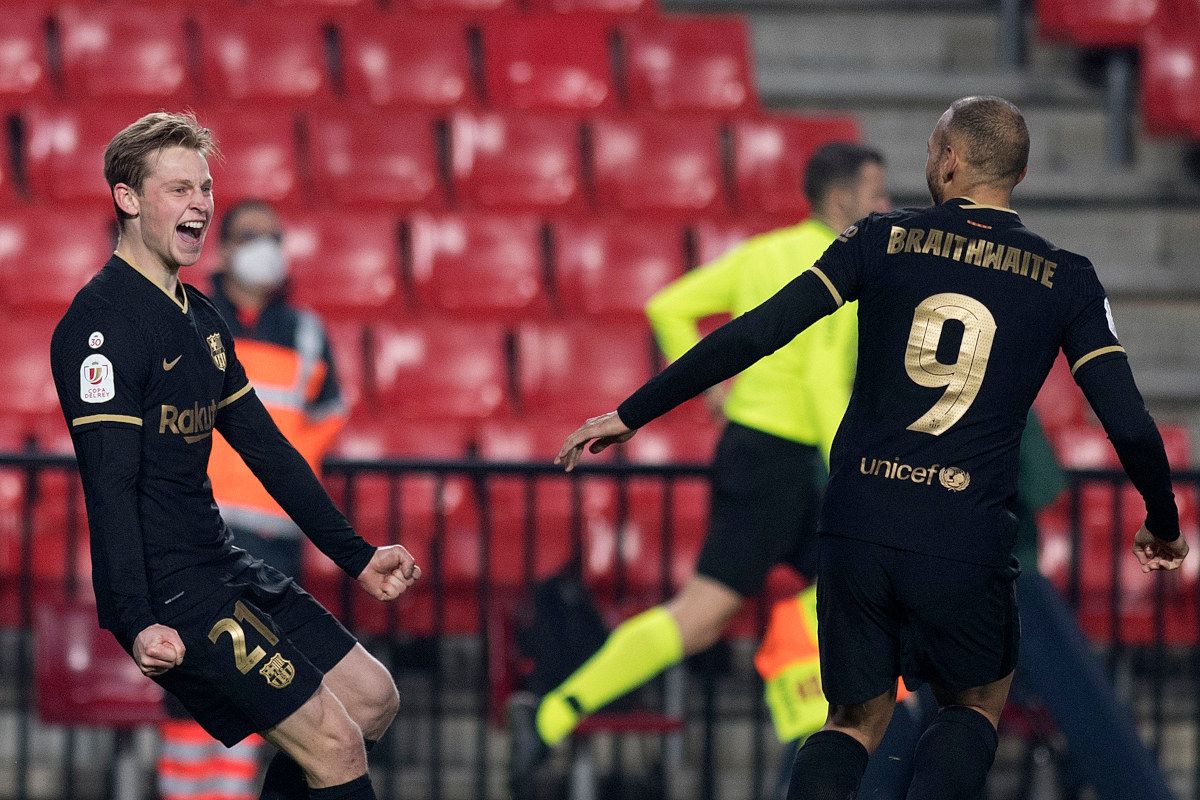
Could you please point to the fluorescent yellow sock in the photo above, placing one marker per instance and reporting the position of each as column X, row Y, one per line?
column 635, row 652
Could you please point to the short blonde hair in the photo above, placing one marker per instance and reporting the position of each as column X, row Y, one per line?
column 126, row 155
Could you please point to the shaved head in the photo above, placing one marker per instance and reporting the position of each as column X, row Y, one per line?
column 991, row 138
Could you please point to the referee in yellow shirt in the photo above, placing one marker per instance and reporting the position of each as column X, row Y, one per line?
column 782, row 414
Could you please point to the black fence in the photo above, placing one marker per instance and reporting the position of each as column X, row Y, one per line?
column 485, row 533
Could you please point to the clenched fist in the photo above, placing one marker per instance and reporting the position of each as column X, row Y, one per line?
column 389, row 573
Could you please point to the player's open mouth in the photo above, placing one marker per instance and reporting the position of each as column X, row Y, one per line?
column 190, row 231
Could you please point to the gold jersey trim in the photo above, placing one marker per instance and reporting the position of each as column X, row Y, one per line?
column 234, row 396
column 837, row 297
column 183, row 305
column 983, row 205
column 1112, row 348
column 75, row 423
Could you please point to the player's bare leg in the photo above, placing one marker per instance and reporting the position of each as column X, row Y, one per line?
column 957, row 750
column 322, row 738
column 702, row 610
column 832, row 761
column 366, row 689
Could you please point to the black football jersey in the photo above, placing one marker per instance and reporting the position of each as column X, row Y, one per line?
column 128, row 354
column 962, row 311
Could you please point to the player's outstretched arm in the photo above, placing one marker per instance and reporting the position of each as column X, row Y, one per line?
column 600, row 432
column 1109, row 387
column 156, row 649
column 389, row 573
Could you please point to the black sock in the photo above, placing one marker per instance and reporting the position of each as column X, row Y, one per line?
column 829, row 766
column 954, row 756
column 357, row 789
column 284, row 780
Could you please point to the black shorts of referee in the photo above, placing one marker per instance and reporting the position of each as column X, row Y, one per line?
column 766, row 493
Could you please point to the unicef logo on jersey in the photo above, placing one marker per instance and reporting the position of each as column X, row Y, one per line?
column 954, row 478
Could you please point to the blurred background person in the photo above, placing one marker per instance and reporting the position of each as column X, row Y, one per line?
column 288, row 359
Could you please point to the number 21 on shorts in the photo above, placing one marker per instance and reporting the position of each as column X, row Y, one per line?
column 243, row 660
column 961, row 378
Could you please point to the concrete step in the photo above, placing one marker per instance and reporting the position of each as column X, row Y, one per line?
column 1149, row 251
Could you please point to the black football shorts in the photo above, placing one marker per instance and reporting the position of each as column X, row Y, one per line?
column 255, row 653
column 884, row 612
column 765, row 497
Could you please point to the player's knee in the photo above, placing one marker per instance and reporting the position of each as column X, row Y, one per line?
column 341, row 754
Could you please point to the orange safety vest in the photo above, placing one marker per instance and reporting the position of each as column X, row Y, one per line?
column 790, row 664
column 287, row 378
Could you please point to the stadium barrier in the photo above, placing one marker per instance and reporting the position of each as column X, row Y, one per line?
column 487, row 531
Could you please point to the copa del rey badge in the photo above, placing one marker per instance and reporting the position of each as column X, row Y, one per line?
column 96, row 384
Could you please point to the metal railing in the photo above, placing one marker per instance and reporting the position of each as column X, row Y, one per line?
column 482, row 554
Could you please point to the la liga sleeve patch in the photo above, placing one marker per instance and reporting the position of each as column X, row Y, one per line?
column 96, row 381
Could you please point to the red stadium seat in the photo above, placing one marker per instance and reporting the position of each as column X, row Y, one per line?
column 648, row 163
column 407, row 61
column 47, row 254
column 473, row 265
column 30, row 394
column 440, row 369
column 1088, row 447
column 459, row 7
column 361, row 158
column 347, row 341
column 259, row 156
column 1060, row 403
column 408, row 510
column 611, row 267
column 346, row 265
column 578, row 370
column 770, row 155
column 547, row 62
column 125, row 52
column 258, row 55
column 24, row 69
column 83, row 675
column 1097, row 23
column 516, row 161
column 690, row 64
column 543, row 541
column 1170, row 70
column 64, row 149
column 598, row 7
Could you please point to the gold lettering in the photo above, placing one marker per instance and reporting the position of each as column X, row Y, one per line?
column 947, row 246
column 974, row 251
column 992, row 258
column 959, row 243
column 862, row 467
column 918, row 474
column 1035, row 268
column 187, row 422
column 900, row 472
column 989, row 255
column 932, row 471
column 1012, row 261
column 896, row 240
column 167, row 420
column 1048, row 273
column 913, row 245
column 1025, row 263
column 933, row 242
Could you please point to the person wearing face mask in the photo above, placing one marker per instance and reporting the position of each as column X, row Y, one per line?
column 287, row 357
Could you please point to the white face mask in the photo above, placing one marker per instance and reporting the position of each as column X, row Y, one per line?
column 259, row 263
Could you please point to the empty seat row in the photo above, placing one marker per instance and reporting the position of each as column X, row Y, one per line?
column 1167, row 36
column 483, row 265
column 504, row 160
column 536, row 61
column 423, row 369
column 472, row 8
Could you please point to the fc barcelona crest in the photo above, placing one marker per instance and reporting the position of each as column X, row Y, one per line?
column 278, row 671
column 216, row 350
